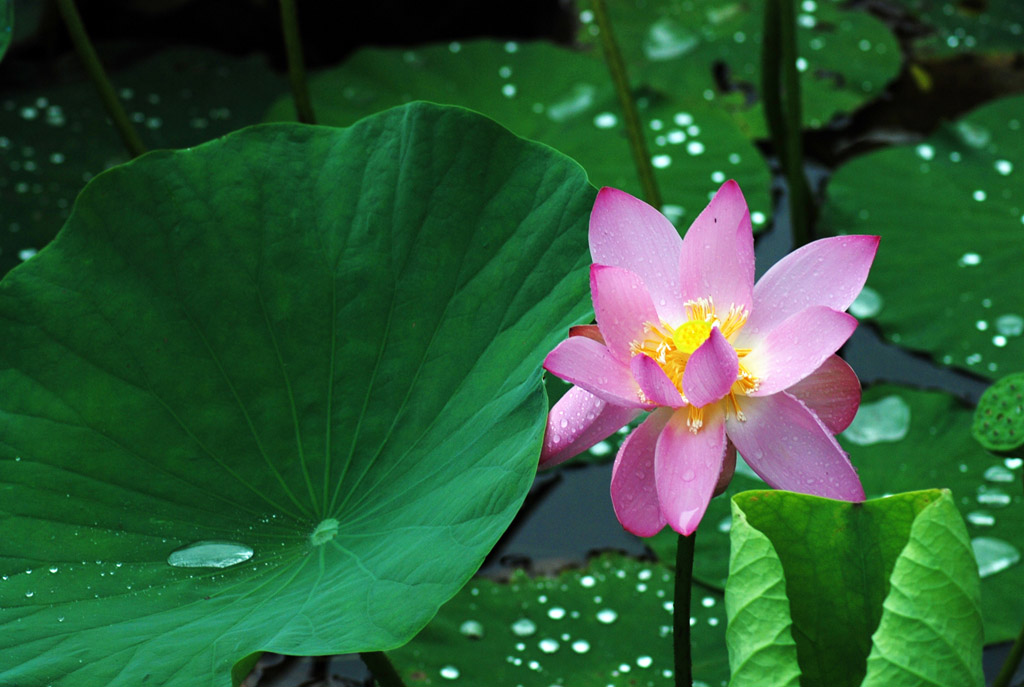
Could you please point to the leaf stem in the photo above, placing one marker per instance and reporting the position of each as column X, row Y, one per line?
column 681, row 611
column 383, row 671
column 637, row 144
column 781, row 92
column 296, row 65
column 1012, row 661
column 86, row 53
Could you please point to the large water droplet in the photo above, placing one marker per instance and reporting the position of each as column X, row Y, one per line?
column 210, row 554
column 607, row 616
column 887, row 419
column 993, row 555
column 449, row 672
column 581, row 646
column 1010, row 325
column 548, row 645
column 556, row 612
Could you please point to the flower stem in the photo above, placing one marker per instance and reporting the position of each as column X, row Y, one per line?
column 681, row 611
column 781, row 92
column 637, row 144
column 86, row 53
column 383, row 671
column 296, row 65
column 1012, row 662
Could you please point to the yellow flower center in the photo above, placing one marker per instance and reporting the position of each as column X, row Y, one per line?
column 671, row 347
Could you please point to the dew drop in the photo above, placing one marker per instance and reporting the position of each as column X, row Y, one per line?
column 997, row 473
column 601, row 448
column 644, row 661
column 605, row 120
column 581, row 646
column 661, row 161
column 979, row 195
column 508, row 90
column 1004, row 167
column 969, row 260
column 607, row 616
column 1010, row 325
column 993, row 555
column 587, row 581
column 695, row 147
column 210, row 554
column 473, row 629
column 524, row 627
column 683, row 118
column 556, row 612
column 758, row 218
column 548, row 646
column 981, row 518
column 992, row 496
column 925, row 151
column 449, row 672
column 1013, row 463
column 29, row 594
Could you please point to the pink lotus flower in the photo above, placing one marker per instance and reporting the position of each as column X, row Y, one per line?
column 682, row 331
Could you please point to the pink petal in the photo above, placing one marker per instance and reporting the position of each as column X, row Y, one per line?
column 790, row 448
column 687, row 466
column 829, row 272
column 654, row 383
column 634, row 495
column 591, row 331
column 578, row 421
column 832, row 392
column 717, row 259
column 627, row 232
column 711, row 370
column 586, row 363
column 797, row 347
column 622, row 306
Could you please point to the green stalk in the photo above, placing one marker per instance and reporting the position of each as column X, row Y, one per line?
column 781, row 92
column 83, row 46
column 1012, row 662
column 637, row 144
column 383, row 672
column 296, row 64
column 681, row 611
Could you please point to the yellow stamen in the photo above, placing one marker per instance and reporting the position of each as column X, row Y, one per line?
column 689, row 336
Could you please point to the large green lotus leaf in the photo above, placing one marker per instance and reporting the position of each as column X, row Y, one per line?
column 309, row 356
column 689, row 46
column 561, row 97
column 54, row 140
column 958, row 26
column 882, row 593
column 955, row 224
column 902, row 440
column 609, row 623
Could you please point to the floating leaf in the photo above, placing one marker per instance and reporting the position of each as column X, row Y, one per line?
column 955, row 225
column 56, row 139
column 607, row 623
column 999, row 417
column 882, row 593
column 561, row 97
column 278, row 392
column 695, row 46
column 994, row 26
